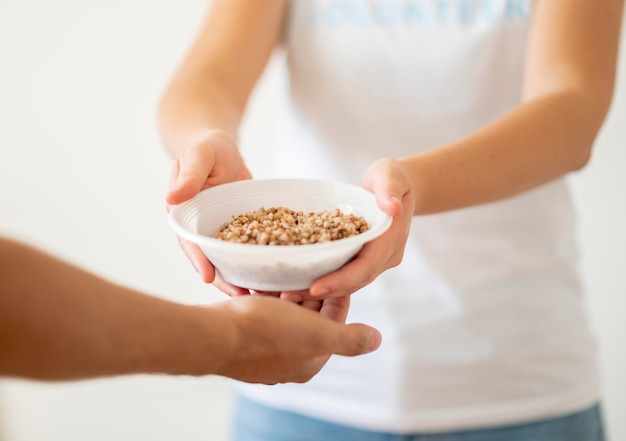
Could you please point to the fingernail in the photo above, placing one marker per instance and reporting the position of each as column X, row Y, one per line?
column 173, row 188
column 295, row 298
column 195, row 266
column 376, row 342
column 320, row 292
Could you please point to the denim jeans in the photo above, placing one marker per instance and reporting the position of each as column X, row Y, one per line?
column 256, row 422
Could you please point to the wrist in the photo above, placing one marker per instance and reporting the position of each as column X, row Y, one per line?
column 419, row 185
column 204, row 343
column 191, row 137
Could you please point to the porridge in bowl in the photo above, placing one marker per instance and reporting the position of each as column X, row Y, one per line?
column 282, row 226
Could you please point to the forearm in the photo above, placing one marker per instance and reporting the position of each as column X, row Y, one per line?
column 536, row 142
column 192, row 107
column 60, row 322
column 212, row 85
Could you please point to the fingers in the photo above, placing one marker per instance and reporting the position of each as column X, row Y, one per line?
column 199, row 261
column 227, row 288
column 265, row 293
column 348, row 340
column 313, row 305
column 353, row 339
column 354, row 275
column 336, row 309
column 184, row 189
column 390, row 183
column 212, row 159
column 295, row 296
column 389, row 186
column 189, row 174
column 358, row 339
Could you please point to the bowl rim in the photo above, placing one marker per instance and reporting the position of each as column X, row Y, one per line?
column 219, row 244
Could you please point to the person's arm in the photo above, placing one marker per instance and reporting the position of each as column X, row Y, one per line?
column 208, row 94
column 60, row 322
column 569, row 81
column 202, row 106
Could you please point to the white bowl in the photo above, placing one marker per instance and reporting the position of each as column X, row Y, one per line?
column 275, row 267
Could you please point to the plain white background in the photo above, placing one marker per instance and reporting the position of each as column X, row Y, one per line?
column 82, row 174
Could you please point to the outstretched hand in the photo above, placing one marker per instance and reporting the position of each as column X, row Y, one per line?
column 214, row 159
column 274, row 341
column 390, row 183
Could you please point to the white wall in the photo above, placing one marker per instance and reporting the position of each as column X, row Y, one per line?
column 82, row 174
column 600, row 192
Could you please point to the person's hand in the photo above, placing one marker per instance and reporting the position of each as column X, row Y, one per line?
column 212, row 160
column 391, row 185
column 273, row 341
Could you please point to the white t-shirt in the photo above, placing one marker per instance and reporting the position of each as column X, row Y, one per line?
column 483, row 322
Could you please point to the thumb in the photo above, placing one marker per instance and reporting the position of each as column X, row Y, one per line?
column 352, row 339
column 189, row 174
column 383, row 179
column 358, row 339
